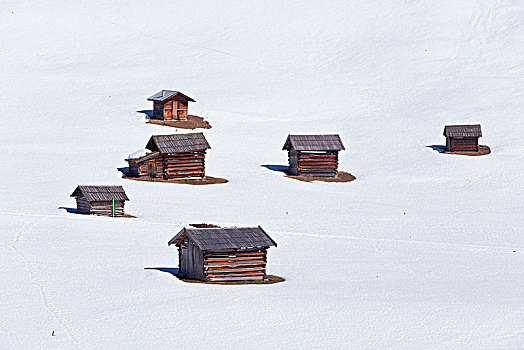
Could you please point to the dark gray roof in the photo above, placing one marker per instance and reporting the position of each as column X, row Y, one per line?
column 100, row 193
column 177, row 143
column 462, row 130
column 314, row 143
column 225, row 238
column 167, row 94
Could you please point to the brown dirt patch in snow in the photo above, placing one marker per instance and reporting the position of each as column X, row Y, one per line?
column 192, row 122
column 341, row 177
column 483, row 150
column 204, row 225
column 271, row 279
column 208, row 180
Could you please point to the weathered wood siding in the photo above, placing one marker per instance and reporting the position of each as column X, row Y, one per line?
column 104, row 208
column 191, row 262
column 235, row 265
column 82, row 205
column 304, row 163
column 158, row 110
column 186, row 164
column 464, row 144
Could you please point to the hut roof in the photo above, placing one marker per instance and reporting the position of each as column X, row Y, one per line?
column 314, row 143
column 462, row 130
column 225, row 238
column 100, row 193
column 168, row 94
column 176, row 143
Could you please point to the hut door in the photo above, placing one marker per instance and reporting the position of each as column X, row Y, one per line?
column 168, row 110
column 151, row 171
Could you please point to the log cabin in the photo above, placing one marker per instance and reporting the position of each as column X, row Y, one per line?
column 223, row 254
column 462, row 138
column 171, row 156
column 170, row 105
column 313, row 155
column 100, row 200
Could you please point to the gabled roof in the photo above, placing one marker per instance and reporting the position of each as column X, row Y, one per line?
column 314, row 143
column 167, row 94
column 100, row 193
column 225, row 238
column 462, row 130
column 177, row 143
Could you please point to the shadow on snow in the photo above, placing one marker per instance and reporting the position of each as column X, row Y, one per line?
column 171, row 270
column 273, row 167
column 438, row 148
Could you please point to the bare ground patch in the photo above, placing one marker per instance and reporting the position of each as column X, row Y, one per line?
column 208, row 180
column 192, row 122
column 341, row 177
column 204, row 225
column 483, row 150
column 271, row 279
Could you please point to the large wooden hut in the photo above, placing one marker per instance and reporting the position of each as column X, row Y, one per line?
column 100, row 200
column 223, row 254
column 170, row 105
column 171, row 156
column 313, row 155
column 462, row 138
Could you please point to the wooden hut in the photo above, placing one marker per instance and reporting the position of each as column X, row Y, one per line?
column 170, row 105
column 223, row 254
column 462, row 138
column 313, row 155
column 100, row 200
column 171, row 156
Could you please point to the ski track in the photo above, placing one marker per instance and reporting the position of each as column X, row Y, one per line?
column 17, row 247
column 289, row 233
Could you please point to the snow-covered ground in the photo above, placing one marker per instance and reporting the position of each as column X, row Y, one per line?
column 422, row 251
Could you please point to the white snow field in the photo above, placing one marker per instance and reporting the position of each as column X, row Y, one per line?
column 422, row 251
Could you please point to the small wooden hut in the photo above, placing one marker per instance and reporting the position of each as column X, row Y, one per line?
column 313, row 155
column 223, row 254
column 462, row 138
column 171, row 156
column 100, row 200
column 170, row 105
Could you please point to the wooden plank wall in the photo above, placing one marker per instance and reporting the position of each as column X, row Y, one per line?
column 235, row 265
column 82, row 205
column 191, row 262
column 317, row 164
column 464, row 144
column 158, row 110
column 186, row 164
column 104, row 208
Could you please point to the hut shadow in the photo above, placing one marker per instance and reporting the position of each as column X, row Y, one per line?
column 124, row 170
column 171, row 270
column 280, row 168
column 147, row 112
column 69, row 210
column 438, row 148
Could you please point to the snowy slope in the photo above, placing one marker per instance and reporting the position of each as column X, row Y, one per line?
column 422, row 251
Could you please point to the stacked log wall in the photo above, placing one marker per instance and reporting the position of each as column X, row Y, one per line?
column 186, row 164
column 235, row 265
column 82, row 205
column 465, row 144
column 317, row 164
column 104, row 208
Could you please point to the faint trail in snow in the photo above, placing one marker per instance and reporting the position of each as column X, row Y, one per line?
column 17, row 247
column 371, row 239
